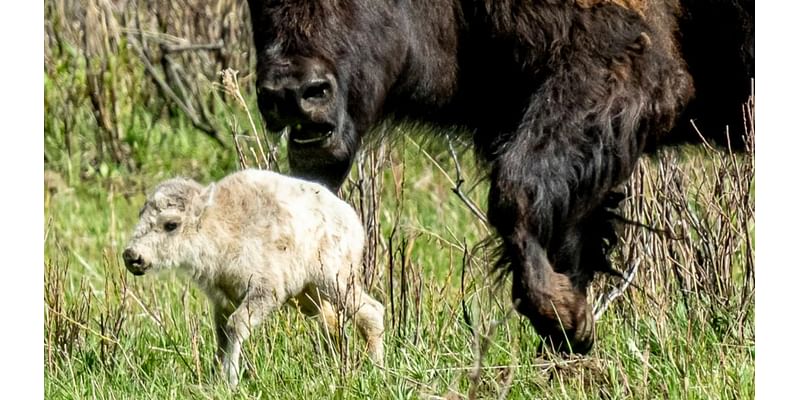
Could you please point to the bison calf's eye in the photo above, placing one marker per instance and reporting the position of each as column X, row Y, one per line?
column 170, row 226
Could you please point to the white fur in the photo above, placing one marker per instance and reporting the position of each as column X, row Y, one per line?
column 253, row 241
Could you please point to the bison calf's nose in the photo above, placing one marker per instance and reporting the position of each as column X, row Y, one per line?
column 133, row 261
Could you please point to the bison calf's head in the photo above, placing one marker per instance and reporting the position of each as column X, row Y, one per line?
column 167, row 224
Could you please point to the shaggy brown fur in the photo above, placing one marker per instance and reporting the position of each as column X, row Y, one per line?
column 562, row 98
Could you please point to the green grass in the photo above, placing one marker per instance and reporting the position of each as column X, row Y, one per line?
column 109, row 335
column 652, row 353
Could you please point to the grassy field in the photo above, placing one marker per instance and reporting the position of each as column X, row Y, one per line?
column 683, row 329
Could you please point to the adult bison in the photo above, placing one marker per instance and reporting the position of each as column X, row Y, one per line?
column 562, row 98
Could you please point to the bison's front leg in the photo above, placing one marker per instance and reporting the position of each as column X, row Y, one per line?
column 524, row 213
column 548, row 189
column 239, row 326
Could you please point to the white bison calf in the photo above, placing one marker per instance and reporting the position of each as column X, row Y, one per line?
column 253, row 241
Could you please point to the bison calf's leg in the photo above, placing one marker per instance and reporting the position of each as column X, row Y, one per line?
column 238, row 328
column 220, row 322
column 313, row 304
column 367, row 314
column 369, row 321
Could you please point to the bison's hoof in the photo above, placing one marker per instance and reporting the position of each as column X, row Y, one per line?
column 578, row 340
column 559, row 313
column 562, row 344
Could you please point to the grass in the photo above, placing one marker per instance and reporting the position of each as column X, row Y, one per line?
column 684, row 329
column 112, row 336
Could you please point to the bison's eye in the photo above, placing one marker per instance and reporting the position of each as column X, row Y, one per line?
column 170, row 226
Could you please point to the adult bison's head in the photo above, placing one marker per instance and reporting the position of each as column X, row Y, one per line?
column 324, row 70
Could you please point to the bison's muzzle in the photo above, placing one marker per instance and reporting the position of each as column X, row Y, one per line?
column 300, row 94
column 134, row 262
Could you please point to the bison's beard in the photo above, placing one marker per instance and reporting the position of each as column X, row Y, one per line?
column 323, row 155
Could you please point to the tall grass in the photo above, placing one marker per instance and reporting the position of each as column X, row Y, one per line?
column 135, row 92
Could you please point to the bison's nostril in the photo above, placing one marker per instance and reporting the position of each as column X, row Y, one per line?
column 132, row 259
column 128, row 254
column 319, row 90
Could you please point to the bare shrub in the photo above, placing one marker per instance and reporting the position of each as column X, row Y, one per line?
column 154, row 55
column 701, row 202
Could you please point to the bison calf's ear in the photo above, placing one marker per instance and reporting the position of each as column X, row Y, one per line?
column 204, row 200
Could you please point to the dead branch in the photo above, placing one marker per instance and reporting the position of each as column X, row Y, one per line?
column 191, row 47
column 167, row 91
column 617, row 291
column 460, row 181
